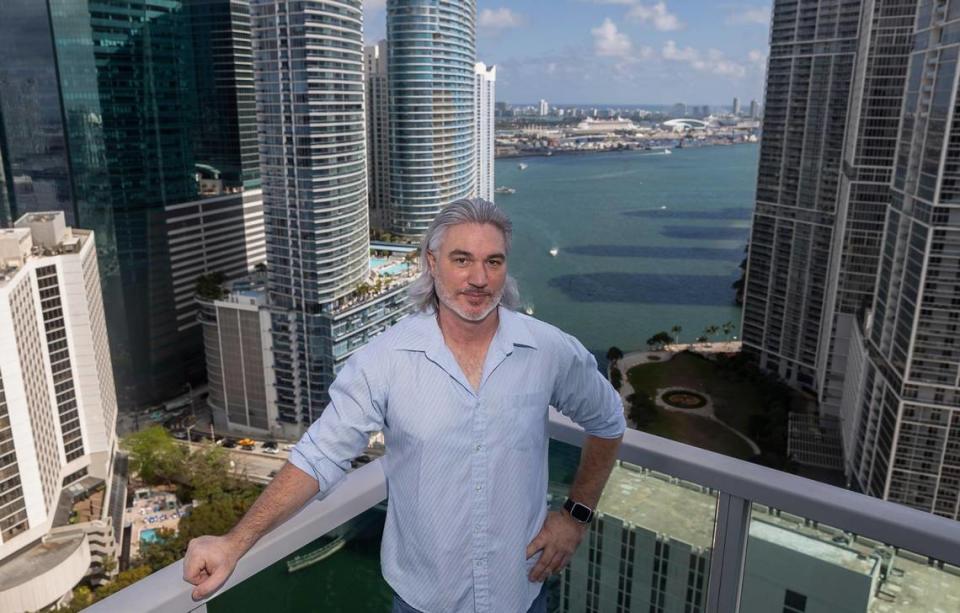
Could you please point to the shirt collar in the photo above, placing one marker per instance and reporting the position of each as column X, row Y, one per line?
column 423, row 333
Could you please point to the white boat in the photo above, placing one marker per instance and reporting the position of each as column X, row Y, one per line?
column 504, row 190
column 667, row 152
column 528, row 310
column 522, row 166
column 554, row 251
column 309, row 559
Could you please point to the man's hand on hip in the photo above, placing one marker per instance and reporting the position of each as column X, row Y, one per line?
column 208, row 563
column 559, row 538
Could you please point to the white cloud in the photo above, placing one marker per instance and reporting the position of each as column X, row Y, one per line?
column 374, row 5
column 657, row 15
column 713, row 61
column 750, row 15
column 610, row 42
column 757, row 58
column 499, row 19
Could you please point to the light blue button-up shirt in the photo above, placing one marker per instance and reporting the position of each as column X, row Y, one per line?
column 466, row 470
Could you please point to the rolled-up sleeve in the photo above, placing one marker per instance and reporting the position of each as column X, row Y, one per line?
column 584, row 395
column 356, row 409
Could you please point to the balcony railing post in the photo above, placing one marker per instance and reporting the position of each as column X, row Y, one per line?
column 729, row 553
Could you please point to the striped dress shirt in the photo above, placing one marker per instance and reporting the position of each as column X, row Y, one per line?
column 466, row 469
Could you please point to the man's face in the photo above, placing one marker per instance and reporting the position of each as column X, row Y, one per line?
column 469, row 269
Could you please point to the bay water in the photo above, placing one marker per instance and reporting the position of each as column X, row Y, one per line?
column 644, row 241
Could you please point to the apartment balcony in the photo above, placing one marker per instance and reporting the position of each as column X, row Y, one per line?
column 719, row 534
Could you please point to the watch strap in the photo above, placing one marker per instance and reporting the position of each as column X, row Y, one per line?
column 578, row 511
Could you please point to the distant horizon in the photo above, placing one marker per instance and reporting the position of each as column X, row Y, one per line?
column 744, row 104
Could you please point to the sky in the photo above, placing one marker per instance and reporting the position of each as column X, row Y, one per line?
column 618, row 51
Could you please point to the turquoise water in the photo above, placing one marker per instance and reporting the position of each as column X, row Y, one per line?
column 149, row 536
column 645, row 242
column 394, row 269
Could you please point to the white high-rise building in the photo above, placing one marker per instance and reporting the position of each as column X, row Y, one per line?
column 544, row 108
column 326, row 294
column 378, row 133
column 484, row 127
column 736, row 106
column 58, row 411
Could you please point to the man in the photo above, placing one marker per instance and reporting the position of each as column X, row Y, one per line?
column 461, row 391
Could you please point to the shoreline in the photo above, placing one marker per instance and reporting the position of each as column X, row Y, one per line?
column 559, row 152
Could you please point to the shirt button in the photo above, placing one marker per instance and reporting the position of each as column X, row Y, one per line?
column 478, row 447
column 479, row 487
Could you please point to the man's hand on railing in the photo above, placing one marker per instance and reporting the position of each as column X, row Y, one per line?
column 211, row 559
column 208, row 563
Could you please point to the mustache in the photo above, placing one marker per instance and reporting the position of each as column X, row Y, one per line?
column 474, row 292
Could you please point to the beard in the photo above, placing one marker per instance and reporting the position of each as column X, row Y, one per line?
column 449, row 299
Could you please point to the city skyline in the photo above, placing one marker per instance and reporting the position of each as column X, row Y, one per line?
column 636, row 52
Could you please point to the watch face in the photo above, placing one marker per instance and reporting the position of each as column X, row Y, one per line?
column 580, row 512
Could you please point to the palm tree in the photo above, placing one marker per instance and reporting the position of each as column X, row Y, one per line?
column 728, row 328
column 676, row 330
column 710, row 331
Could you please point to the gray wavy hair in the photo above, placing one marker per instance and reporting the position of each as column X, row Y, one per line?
column 422, row 292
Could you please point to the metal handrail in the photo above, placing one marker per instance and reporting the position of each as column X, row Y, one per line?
column 894, row 524
column 165, row 591
column 740, row 483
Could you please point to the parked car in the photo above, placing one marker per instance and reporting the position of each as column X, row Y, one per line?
column 270, row 450
column 270, row 445
column 229, row 443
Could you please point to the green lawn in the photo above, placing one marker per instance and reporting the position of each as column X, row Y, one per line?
column 699, row 432
column 734, row 403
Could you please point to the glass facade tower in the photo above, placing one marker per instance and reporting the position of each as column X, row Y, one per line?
column 432, row 53
column 136, row 118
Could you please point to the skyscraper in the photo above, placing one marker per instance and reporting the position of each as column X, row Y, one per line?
column 58, row 409
column 736, row 106
column 754, row 109
column 818, row 103
column 327, row 296
column 146, row 114
column 378, row 134
column 484, row 124
column 871, row 143
column 432, row 55
column 543, row 108
column 904, row 432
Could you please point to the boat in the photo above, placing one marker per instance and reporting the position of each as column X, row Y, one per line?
column 522, row 166
column 554, row 251
column 528, row 310
column 309, row 559
column 504, row 190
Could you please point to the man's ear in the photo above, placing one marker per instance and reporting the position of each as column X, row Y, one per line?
column 431, row 261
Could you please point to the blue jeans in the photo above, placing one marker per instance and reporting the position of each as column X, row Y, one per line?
column 539, row 605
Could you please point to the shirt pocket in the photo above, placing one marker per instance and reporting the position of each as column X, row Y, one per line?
column 523, row 419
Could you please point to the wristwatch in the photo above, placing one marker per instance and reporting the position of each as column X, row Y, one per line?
column 578, row 511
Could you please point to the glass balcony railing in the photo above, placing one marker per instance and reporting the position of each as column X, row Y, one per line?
column 679, row 529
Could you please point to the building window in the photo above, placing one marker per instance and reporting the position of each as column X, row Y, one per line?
column 794, row 602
